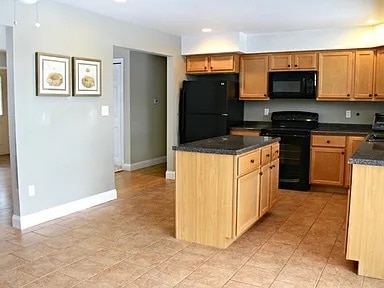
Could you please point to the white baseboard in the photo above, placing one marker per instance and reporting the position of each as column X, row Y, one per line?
column 23, row 222
column 171, row 175
column 144, row 164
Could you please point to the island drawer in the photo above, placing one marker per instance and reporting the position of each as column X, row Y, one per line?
column 265, row 155
column 248, row 162
column 275, row 151
column 328, row 141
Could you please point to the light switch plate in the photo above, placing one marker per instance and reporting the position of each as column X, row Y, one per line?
column 347, row 113
column 266, row 111
column 104, row 110
column 31, row 190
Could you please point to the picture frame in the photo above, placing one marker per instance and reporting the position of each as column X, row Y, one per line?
column 52, row 74
column 86, row 77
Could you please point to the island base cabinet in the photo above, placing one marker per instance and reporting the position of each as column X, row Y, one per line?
column 366, row 217
column 204, row 198
column 247, row 201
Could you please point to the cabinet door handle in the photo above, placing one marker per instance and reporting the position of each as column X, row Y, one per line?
column 348, row 95
column 370, row 95
column 265, row 95
column 261, row 173
column 342, row 153
column 205, row 67
column 328, row 141
column 277, row 151
column 267, row 155
column 295, row 65
column 252, row 161
column 375, row 94
column 271, row 167
column 211, row 67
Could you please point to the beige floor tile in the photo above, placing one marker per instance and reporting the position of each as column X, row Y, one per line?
column 211, row 276
column 187, row 260
column 51, row 231
column 255, row 276
column 147, row 259
column 71, row 254
column 15, row 278
column 42, row 266
column 373, row 283
column 338, row 276
column 201, row 249
column 168, row 246
column 9, row 262
column 228, row 260
column 146, row 283
column 60, row 241
column 56, row 279
column 6, row 247
column 193, row 284
column 109, row 257
column 27, row 239
column 268, row 260
column 235, row 284
column 168, row 274
column 298, row 270
column 83, row 269
column 34, row 252
column 300, row 283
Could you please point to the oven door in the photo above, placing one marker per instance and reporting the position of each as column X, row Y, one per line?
column 294, row 160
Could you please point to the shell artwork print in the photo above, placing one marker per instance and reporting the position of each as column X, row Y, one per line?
column 54, row 79
column 88, row 81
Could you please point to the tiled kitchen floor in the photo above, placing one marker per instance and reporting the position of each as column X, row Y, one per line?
column 129, row 243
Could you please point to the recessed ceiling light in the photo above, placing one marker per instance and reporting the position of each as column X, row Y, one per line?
column 371, row 21
column 206, row 30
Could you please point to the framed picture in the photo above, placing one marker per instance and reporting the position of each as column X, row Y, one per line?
column 53, row 75
column 86, row 77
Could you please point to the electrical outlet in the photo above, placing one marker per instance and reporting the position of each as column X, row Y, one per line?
column 266, row 111
column 31, row 190
column 348, row 114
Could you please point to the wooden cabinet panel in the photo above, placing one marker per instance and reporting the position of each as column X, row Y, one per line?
column 280, row 62
column 379, row 75
column 275, row 151
column 328, row 141
column 274, row 185
column 197, row 63
column 327, row 166
column 264, row 189
column 254, row 77
column 248, row 162
column 293, row 61
column 352, row 143
column 335, row 75
column 247, row 201
column 216, row 63
column 265, row 155
column 364, row 74
column 244, row 132
column 305, row 61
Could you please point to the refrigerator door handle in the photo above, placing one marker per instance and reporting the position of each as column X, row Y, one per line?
column 224, row 114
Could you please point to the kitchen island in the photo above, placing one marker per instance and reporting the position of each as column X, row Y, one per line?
column 223, row 186
column 365, row 216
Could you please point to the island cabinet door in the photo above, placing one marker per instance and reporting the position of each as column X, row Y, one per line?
column 247, row 201
column 274, row 193
column 265, row 176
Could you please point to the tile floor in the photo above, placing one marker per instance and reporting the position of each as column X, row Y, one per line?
column 129, row 243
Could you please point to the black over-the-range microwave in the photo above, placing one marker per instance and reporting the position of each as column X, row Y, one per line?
column 292, row 85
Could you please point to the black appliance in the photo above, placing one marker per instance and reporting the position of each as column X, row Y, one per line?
column 294, row 129
column 292, row 85
column 378, row 122
column 208, row 108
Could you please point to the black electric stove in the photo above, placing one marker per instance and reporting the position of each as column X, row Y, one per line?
column 294, row 129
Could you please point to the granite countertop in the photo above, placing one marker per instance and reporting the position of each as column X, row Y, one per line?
column 324, row 128
column 368, row 153
column 227, row 145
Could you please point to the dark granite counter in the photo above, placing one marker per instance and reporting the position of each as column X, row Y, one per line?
column 253, row 125
column 343, row 129
column 228, row 145
column 368, row 153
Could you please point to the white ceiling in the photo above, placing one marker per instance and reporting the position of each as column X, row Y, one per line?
column 187, row 17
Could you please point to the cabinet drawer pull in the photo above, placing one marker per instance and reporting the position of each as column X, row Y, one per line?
column 252, row 161
column 277, row 151
column 261, row 173
column 211, row 68
column 328, row 141
column 289, row 65
column 267, row 155
column 375, row 94
column 205, row 68
column 348, row 95
column 295, row 65
column 370, row 95
column 342, row 153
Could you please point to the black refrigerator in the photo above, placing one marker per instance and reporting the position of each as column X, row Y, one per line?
column 208, row 108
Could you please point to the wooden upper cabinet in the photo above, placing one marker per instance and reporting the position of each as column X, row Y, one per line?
column 216, row 63
column 293, row 61
column 335, row 75
column 197, row 63
column 379, row 81
column 254, row 77
column 364, row 74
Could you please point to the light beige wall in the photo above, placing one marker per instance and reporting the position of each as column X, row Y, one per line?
column 148, row 74
column 69, row 155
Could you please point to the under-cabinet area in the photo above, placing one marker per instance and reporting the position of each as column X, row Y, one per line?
column 221, row 193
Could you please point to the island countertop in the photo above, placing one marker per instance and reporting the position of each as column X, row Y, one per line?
column 228, row 145
column 368, row 153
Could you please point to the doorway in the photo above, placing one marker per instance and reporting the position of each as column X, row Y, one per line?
column 118, row 104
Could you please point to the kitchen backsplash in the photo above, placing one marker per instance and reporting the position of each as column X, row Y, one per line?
column 329, row 112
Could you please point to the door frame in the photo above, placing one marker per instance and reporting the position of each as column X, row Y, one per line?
column 120, row 61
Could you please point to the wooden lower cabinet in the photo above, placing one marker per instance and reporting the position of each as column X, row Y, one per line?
column 248, row 190
column 245, row 132
column 352, row 143
column 218, row 197
column 274, row 183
